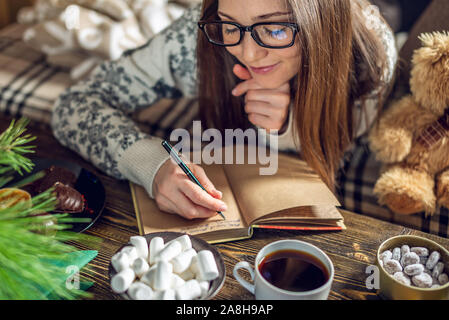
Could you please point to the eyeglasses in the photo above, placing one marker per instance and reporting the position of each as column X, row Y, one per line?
column 274, row 35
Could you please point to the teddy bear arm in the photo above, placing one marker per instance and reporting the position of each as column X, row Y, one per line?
column 391, row 139
column 443, row 188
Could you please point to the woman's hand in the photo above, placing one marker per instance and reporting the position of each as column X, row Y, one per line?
column 266, row 108
column 175, row 193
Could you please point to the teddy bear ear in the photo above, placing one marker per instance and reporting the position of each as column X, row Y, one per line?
column 435, row 46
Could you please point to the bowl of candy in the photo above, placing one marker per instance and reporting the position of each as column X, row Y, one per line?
column 167, row 266
column 413, row 268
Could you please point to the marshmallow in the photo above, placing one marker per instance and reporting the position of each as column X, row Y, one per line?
column 183, row 260
column 167, row 271
column 162, row 276
column 189, row 291
column 131, row 251
column 156, row 245
column 185, row 242
column 187, row 275
column 207, row 267
column 204, row 285
column 140, row 266
column 140, row 291
column 433, row 260
column 194, row 265
column 122, row 280
column 120, row 261
column 168, row 294
column 170, row 251
column 141, row 245
column 176, row 281
column 148, row 277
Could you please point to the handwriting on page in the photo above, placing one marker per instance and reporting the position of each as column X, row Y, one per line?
column 212, row 226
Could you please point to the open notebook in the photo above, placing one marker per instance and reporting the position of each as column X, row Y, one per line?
column 294, row 198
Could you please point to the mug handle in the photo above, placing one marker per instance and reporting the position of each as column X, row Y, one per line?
column 244, row 265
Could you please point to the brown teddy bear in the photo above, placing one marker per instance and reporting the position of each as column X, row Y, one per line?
column 412, row 135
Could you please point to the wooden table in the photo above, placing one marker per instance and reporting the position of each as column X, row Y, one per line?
column 351, row 251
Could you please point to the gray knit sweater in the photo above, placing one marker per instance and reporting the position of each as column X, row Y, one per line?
column 94, row 117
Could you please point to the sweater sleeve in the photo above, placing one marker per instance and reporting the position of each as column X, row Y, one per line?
column 364, row 118
column 93, row 117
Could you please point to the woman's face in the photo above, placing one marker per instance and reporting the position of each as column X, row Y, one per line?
column 271, row 68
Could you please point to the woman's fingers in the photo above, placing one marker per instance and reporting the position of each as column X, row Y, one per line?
column 201, row 197
column 276, row 98
column 264, row 109
column 244, row 86
column 241, row 72
column 175, row 193
column 205, row 182
column 188, row 209
column 261, row 121
column 165, row 204
column 250, row 85
column 182, row 206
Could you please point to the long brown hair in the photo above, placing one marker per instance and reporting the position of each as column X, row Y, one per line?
column 341, row 61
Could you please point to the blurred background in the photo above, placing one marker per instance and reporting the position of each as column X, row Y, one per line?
column 401, row 14
column 47, row 45
column 9, row 9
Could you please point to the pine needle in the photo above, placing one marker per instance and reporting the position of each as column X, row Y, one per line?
column 27, row 255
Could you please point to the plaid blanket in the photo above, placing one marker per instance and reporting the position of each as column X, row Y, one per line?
column 357, row 178
column 28, row 84
column 29, row 87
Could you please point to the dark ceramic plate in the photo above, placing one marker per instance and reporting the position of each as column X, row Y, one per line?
column 86, row 183
column 198, row 245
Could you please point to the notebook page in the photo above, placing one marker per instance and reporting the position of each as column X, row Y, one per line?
column 295, row 184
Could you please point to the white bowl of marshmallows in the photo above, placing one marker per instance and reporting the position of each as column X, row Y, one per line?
column 166, row 266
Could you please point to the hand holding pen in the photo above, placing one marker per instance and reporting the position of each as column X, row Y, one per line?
column 175, row 192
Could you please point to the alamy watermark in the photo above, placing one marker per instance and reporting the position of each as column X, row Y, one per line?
column 261, row 147
column 73, row 280
column 373, row 280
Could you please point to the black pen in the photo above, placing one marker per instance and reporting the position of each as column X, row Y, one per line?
column 174, row 155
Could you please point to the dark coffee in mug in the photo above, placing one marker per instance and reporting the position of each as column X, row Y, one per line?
column 293, row 270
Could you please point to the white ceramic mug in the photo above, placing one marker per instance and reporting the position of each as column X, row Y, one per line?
column 263, row 290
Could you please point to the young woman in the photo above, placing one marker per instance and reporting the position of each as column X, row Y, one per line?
column 314, row 72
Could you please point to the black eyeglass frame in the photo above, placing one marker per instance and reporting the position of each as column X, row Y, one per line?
column 243, row 29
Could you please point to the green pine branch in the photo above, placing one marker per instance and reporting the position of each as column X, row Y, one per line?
column 13, row 147
column 29, row 242
column 28, row 245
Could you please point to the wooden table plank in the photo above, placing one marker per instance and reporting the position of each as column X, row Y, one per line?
column 351, row 250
